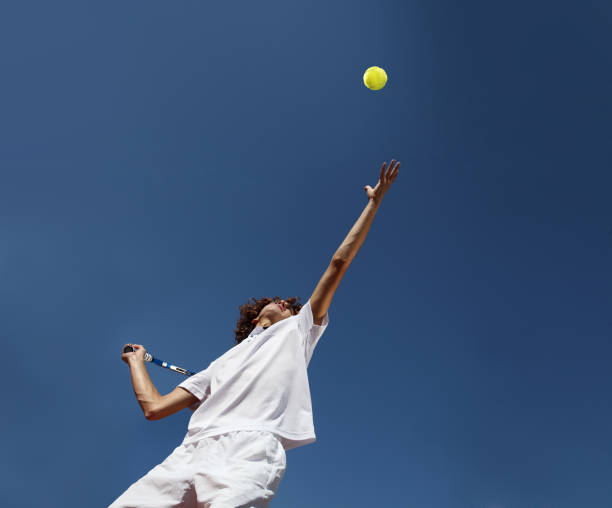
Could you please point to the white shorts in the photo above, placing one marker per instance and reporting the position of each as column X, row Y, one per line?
column 240, row 469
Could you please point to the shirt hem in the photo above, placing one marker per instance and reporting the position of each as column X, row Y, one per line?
column 288, row 439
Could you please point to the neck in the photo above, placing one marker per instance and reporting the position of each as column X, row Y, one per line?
column 265, row 323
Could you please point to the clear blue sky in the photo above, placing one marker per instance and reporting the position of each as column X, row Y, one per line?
column 162, row 161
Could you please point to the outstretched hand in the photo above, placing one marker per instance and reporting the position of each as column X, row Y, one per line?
column 384, row 182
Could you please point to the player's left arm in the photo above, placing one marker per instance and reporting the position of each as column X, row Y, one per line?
column 324, row 291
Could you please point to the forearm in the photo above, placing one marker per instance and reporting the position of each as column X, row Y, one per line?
column 356, row 236
column 144, row 389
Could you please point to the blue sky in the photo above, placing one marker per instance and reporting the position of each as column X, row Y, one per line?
column 161, row 162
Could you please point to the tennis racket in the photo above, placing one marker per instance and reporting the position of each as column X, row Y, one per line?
column 150, row 358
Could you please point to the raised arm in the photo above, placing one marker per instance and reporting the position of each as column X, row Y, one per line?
column 154, row 405
column 324, row 291
column 144, row 389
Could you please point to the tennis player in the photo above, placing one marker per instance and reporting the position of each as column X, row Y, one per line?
column 251, row 404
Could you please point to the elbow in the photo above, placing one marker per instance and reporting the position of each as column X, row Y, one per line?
column 151, row 415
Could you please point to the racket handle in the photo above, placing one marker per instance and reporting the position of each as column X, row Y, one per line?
column 130, row 349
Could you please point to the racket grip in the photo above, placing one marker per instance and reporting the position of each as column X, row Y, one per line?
column 130, row 349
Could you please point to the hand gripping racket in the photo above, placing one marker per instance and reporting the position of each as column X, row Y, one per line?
column 149, row 358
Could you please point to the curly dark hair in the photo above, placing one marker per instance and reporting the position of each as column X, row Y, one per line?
column 251, row 310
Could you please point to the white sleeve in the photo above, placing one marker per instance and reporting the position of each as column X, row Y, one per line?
column 309, row 331
column 198, row 385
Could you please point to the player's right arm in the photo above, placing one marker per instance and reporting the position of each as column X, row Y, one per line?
column 171, row 403
column 144, row 389
column 154, row 405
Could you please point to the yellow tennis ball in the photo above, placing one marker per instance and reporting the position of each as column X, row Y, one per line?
column 375, row 78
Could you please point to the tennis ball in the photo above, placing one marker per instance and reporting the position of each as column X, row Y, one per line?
column 375, row 78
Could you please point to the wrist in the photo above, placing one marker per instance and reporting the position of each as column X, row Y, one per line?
column 374, row 204
column 133, row 361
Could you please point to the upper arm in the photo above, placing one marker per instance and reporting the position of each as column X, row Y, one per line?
column 177, row 399
column 324, row 291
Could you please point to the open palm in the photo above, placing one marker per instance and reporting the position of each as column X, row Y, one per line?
column 386, row 179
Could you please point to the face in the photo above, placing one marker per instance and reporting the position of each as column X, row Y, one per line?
column 273, row 313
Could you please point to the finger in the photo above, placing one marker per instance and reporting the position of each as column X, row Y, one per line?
column 390, row 170
column 386, row 175
column 395, row 170
column 382, row 170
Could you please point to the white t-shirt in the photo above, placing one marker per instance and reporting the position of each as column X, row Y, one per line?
column 260, row 384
